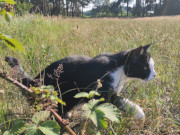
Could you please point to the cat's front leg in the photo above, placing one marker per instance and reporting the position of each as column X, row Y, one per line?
column 133, row 109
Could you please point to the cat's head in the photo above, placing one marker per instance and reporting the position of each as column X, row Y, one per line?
column 139, row 64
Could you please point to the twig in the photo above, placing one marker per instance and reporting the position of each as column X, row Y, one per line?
column 60, row 120
column 20, row 85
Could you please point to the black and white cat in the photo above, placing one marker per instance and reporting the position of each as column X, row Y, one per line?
column 80, row 73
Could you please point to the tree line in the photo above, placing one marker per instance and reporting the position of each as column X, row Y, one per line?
column 102, row 8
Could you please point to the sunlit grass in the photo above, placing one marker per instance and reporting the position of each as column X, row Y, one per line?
column 49, row 39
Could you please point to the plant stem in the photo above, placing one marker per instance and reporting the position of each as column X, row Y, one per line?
column 60, row 120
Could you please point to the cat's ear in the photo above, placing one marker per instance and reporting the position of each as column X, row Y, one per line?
column 146, row 47
column 137, row 52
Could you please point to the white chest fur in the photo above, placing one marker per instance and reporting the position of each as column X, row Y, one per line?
column 119, row 78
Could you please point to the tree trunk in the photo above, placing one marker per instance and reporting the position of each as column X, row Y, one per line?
column 143, row 10
column 71, row 9
column 59, row 4
column 43, row 7
column 82, row 11
column 63, row 8
column 160, row 3
column 138, row 8
column 127, row 8
column 53, row 3
column 67, row 8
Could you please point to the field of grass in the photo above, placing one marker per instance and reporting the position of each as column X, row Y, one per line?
column 47, row 39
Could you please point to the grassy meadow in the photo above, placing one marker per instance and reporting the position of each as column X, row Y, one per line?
column 47, row 39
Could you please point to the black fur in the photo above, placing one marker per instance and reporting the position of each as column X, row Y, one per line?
column 81, row 73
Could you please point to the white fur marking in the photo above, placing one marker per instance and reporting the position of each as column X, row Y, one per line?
column 139, row 113
column 119, row 78
column 132, row 108
column 152, row 71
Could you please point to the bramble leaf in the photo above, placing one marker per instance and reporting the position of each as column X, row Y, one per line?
column 93, row 93
column 99, row 113
column 81, row 95
column 11, row 42
column 50, row 128
column 40, row 116
column 18, row 127
column 6, row 133
column 90, row 105
column 98, row 118
column 87, row 95
column 32, row 130
column 111, row 111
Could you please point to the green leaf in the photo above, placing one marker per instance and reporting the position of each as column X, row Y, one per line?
column 49, row 87
column 14, row 44
column 98, row 113
column 39, row 107
column 101, row 99
column 87, row 95
column 8, row 1
column 43, row 96
column 36, row 90
column 11, row 43
column 33, row 130
column 2, row 12
column 55, row 93
column 50, row 128
column 18, row 127
column 6, row 133
column 47, row 95
column 11, row 13
column 81, row 95
column 97, row 117
column 97, row 133
column 111, row 111
column 93, row 93
column 61, row 101
column 53, row 97
column 90, row 105
column 40, row 116
column 7, row 17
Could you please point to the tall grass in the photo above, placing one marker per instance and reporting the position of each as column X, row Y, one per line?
column 47, row 39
